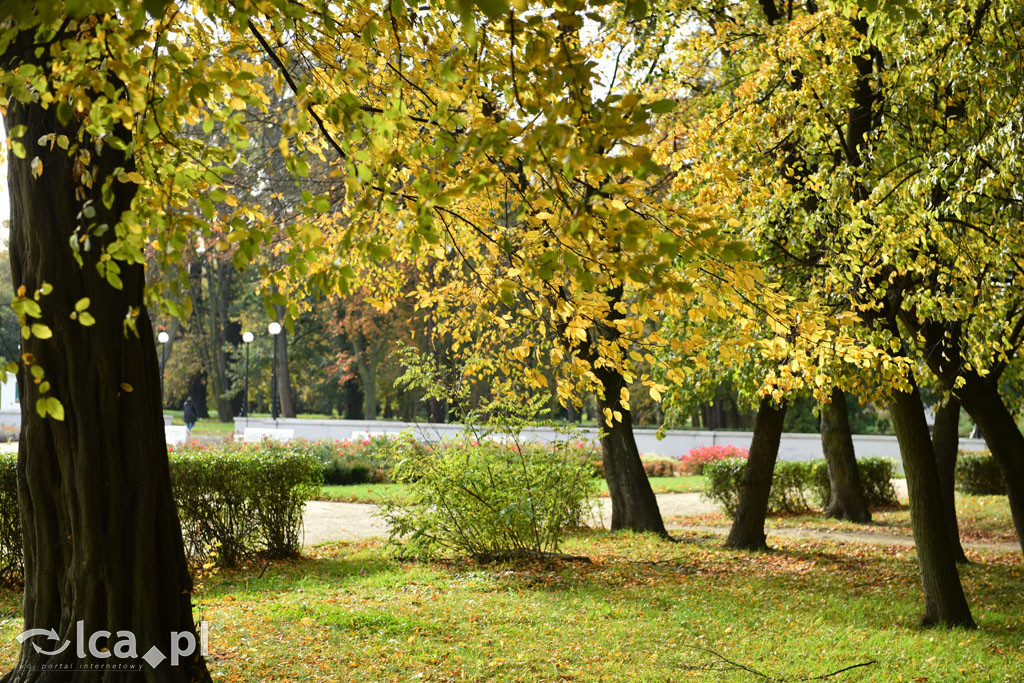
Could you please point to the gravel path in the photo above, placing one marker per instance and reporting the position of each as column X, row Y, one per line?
column 325, row 522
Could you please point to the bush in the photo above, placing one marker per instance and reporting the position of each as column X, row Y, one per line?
column 487, row 500
column 789, row 484
column 349, row 462
column 722, row 482
column 875, row 476
column 243, row 500
column 11, row 557
column 661, row 467
column 978, row 475
column 697, row 458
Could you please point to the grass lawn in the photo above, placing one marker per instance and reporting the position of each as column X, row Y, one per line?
column 375, row 493
column 644, row 610
column 981, row 518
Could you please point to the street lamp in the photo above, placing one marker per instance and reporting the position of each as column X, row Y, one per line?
column 247, row 337
column 275, row 329
column 163, row 338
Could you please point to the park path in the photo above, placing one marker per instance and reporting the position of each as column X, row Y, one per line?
column 326, row 521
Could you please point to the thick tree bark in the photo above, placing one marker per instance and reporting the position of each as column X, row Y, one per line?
column 846, row 500
column 284, row 380
column 634, row 505
column 946, row 442
column 944, row 601
column 102, row 538
column 747, row 532
column 218, row 284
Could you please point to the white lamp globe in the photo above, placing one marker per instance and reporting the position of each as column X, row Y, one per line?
column 247, row 337
column 163, row 337
column 274, row 328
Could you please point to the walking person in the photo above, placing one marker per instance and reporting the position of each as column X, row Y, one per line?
column 191, row 416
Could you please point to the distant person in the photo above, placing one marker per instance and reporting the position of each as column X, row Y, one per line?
column 191, row 416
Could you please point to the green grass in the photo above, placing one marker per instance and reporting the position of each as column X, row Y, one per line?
column 981, row 518
column 376, row 493
column 644, row 610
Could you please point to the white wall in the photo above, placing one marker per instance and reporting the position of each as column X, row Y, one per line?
column 674, row 444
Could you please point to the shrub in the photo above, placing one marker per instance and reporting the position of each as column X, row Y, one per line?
column 243, row 500
column 487, row 500
column 11, row 558
column 696, row 459
column 660, row 467
column 875, row 476
column 789, row 483
column 978, row 475
column 722, row 482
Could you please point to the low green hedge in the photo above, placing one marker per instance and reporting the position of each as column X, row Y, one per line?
column 978, row 475
column 11, row 559
column 235, row 501
column 241, row 500
column 875, row 476
column 792, row 481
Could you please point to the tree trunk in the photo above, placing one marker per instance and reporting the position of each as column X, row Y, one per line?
column 846, row 499
column 747, row 532
column 944, row 601
column 284, row 380
column 217, row 297
column 980, row 397
column 984, row 404
column 102, row 538
column 634, row 505
column 367, row 377
column 946, row 442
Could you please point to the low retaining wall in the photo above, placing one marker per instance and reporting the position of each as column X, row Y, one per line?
column 797, row 447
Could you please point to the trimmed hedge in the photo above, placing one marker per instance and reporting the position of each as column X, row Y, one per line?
column 235, row 502
column 875, row 476
column 242, row 500
column 978, row 475
column 11, row 559
column 697, row 458
column 792, row 481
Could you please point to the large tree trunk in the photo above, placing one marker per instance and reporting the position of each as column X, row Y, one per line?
column 747, row 532
column 284, row 380
column 846, row 500
column 634, row 505
column 944, row 601
column 946, row 442
column 102, row 538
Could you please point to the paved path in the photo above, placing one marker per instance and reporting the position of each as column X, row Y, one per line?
column 326, row 521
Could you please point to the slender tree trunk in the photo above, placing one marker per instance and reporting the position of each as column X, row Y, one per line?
column 284, row 380
column 846, row 500
column 102, row 538
column 946, row 442
column 747, row 532
column 979, row 396
column 217, row 295
column 367, row 377
column 982, row 401
column 634, row 505
column 944, row 601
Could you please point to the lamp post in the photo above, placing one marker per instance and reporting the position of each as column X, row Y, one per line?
column 163, row 338
column 275, row 329
column 247, row 337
